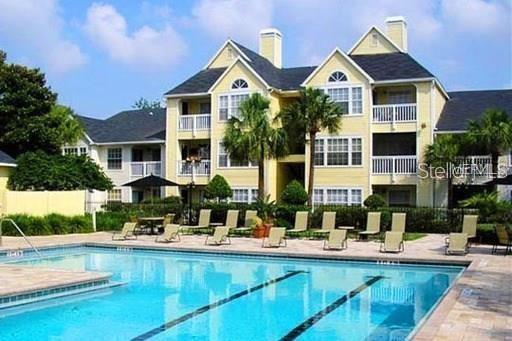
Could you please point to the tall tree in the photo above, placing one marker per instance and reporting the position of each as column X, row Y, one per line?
column 312, row 113
column 29, row 119
column 252, row 136
column 143, row 103
column 443, row 153
column 493, row 132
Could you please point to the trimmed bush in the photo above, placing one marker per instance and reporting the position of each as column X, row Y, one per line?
column 47, row 225
column 218, row 188
column 294, row 194
column 374, row 201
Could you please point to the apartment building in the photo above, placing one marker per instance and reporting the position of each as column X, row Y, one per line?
column 128, row 146
column 393, row 105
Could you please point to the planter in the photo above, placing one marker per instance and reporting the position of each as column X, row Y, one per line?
column 262, row 231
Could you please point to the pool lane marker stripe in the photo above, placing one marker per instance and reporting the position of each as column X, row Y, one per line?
column 213, row 305
column 301, row 328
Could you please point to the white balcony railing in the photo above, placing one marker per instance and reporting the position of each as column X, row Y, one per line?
column 194, row 123
column 394, row 165
column 200, row 168
column 392, row 113
column 475, row 166
column 145, row 168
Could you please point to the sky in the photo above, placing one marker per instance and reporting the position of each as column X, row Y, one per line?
column 100, row 57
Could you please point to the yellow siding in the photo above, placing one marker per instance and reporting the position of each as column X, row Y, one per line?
column 270, row 48
column 365, row 45
column 397, row 32
column 4, row 177
column 225, row 57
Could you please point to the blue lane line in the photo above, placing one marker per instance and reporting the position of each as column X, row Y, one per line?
column 301, row 328
column 203, row 309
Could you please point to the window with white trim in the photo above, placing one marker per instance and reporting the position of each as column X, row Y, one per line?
column 229, row 105
column 400, row 97
column 225, row 161
column 244, row 195
column 239, row 84
column 337, row 76
column 114, row 195
column 340, row 151
column 74, row 151
column 114, row 158
column 350, row 99
column 338, row 196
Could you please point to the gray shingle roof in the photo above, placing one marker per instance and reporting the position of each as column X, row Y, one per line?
column 469, row 105
column 4, row 158
column 389, row 66
column 130, row 125
column 379, row 66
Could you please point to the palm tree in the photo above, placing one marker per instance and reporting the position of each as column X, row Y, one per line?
column 443, row 153
column 312, row 113
column 252, row 136
column 494, row 133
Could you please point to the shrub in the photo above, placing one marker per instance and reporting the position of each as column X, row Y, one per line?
column 486, row 203
column 374, row 201
column 46, row 225
column 294, row 194
column 218, row 188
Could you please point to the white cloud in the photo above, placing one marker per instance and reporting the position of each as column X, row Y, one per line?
column 38, row 27
column 239, row 19
column 146, row 47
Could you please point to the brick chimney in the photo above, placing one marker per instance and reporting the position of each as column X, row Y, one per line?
column 397, row 31
column 271, row 46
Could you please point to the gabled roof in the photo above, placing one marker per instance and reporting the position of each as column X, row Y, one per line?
column 140, row 125
column 375, row 28
column 6, row 160
column 464, row 106
column 391, row 66
column 198, row 83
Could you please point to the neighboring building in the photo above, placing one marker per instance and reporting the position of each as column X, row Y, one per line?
column 394, row 107
column 7, row 163
column 128, row 145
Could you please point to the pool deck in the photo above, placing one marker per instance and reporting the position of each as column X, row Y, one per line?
column 479, row 306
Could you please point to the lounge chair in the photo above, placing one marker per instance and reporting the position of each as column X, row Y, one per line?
column 502, row 239
column 398, row 222
column 301, row 222
column 457, row 244
column 204, row 221
column 337, row 240
column 393, row 242
column 232, row 219
column 469, row 226
column 276, row 237
column 171, row 234
column 220, row 236
column 250, row 220
column 168, row 219
column 372, row 225
column 328, row 222
column 126, row 233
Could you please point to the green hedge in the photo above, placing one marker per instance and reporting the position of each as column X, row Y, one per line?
column 47, row 225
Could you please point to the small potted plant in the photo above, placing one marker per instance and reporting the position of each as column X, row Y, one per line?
column 266, row 211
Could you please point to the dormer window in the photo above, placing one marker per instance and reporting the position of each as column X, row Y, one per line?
column 337, row 76
column 239, row 84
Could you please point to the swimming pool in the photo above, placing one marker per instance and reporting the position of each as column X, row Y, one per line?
column 178, row 295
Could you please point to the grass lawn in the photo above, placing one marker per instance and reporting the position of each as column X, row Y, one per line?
column 413, row 235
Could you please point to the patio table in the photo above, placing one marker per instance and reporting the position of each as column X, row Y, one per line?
column 151, row 223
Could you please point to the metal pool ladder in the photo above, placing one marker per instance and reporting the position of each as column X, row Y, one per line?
column 22, row 234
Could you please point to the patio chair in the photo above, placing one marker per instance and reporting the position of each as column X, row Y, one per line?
column 393, row 242
column 328, row 222
column 171, row 234
column 251, row 217
column 372, row 225
column 232, row 219
column 168, row 219
column 276, row 237
column 301, row 222
column 337, row 240
column 457, row 244
column 469, row 226
column 220, row 236
column 398, row 222
column 502, row 239
column 126, row 233
column 204, row 221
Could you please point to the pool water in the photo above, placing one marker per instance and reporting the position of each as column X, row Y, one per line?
column 185, row 296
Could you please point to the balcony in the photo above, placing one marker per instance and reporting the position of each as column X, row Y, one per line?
column 145, row 168
column 394, row 165
column 200, row 168
column 194, row 123
column 394, row 113
column 475, row 166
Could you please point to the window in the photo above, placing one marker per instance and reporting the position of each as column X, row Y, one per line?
column 374, row 40
column 75, row 150
column 239, row 84
column 337, row 76
column 114, row 158
column 399, row 198
column 244, row 195
column 337, row 196
column 114, row 195
column 341, row 151
column 229, row 105
column 350, row 99
column 399, row 97
column 225, row 161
